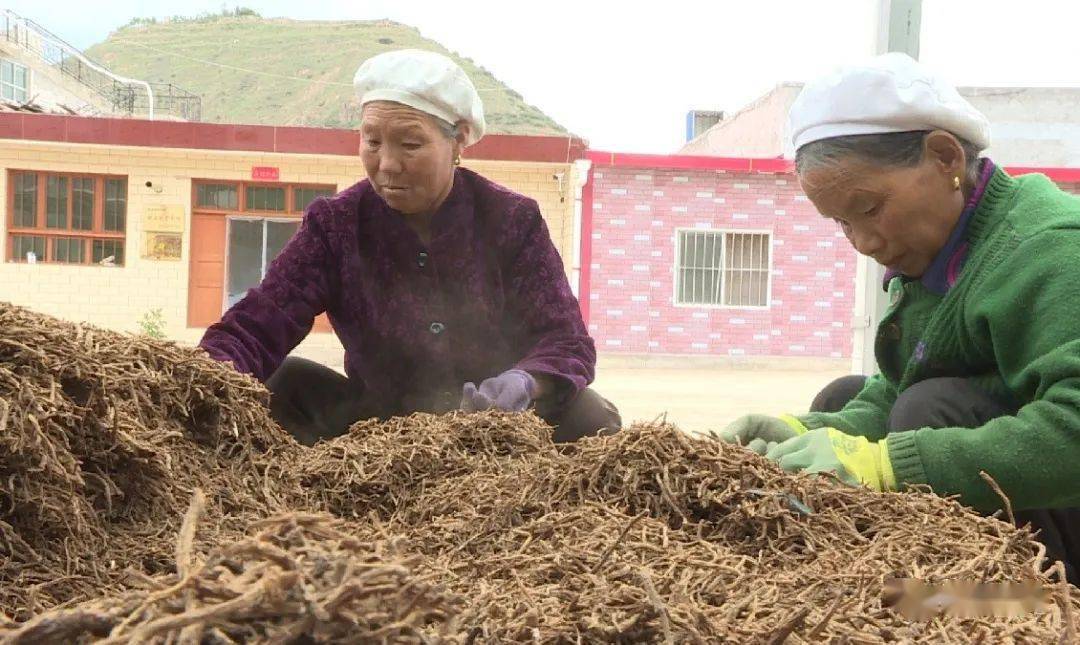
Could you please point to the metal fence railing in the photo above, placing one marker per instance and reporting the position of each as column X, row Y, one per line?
column 122, row 95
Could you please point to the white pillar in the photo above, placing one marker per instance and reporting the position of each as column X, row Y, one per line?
column 579, row 178
column 898, row 27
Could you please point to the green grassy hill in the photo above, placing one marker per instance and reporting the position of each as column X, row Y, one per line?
column 304, row 69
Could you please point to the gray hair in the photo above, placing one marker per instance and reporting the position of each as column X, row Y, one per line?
column 892, row 149
column 450, row 131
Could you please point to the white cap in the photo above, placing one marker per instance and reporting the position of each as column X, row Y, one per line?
column 888, row 93
column 426, row 81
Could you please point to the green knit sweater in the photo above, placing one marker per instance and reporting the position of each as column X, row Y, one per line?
column 1011, row 323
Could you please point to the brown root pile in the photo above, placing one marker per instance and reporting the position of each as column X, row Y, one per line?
column 441, row 529
column 300, row 578
column 103, row 438
column 654, row 536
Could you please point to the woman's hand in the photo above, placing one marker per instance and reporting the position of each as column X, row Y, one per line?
column 854, row 459
column 759, row 432
column 511, row 391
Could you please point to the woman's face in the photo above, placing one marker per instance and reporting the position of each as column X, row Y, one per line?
column 408, row 159
column 901, row 217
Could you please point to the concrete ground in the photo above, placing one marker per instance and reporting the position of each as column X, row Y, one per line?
column 697, row 395
column 699, row 399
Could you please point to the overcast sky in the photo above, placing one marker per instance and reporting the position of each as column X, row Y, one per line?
column 624, row 76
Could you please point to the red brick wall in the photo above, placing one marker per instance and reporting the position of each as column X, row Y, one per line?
column 636, row 213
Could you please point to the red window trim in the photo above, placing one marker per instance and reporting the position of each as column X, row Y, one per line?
column 96, row 232
column 241, row 197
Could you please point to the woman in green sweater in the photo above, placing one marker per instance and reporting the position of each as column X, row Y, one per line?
column 979, row 352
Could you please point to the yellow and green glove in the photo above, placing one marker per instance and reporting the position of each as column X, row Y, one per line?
column 855, row 460
column 759, row 432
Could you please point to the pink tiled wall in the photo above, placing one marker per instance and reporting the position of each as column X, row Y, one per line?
column 636, row 213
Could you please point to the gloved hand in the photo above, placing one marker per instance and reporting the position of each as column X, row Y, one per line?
column 855, row 459
column 511, row 391
column 757, row 431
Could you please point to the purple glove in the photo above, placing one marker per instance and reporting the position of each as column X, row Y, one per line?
column 511, row 391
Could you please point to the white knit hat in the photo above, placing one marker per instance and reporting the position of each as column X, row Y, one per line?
column 888, row 93
column 429, row 82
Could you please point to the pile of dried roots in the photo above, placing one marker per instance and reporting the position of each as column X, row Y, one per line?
column 441, row 529
column 103, row 438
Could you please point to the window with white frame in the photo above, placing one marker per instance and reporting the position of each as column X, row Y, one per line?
column 722, row 268
column 14, row 81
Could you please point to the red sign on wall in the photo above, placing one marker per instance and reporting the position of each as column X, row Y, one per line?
column 265, row 173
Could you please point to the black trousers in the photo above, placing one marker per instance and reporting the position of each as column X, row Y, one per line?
column 312, row 402
column 956, row 403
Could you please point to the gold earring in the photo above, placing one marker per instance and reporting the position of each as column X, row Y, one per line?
column 956, row 183
column 457, row 160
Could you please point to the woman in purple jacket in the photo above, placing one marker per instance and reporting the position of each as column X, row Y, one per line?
column 444, row 288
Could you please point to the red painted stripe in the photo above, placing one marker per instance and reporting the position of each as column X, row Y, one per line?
column 52, row 128
column 258, row 138
column 527, row 148
column 777, row 166
column 287, row 139
column 311, row 141
column 766, row 165
column 689, row 162
column 11, row 126
column 86, row 130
